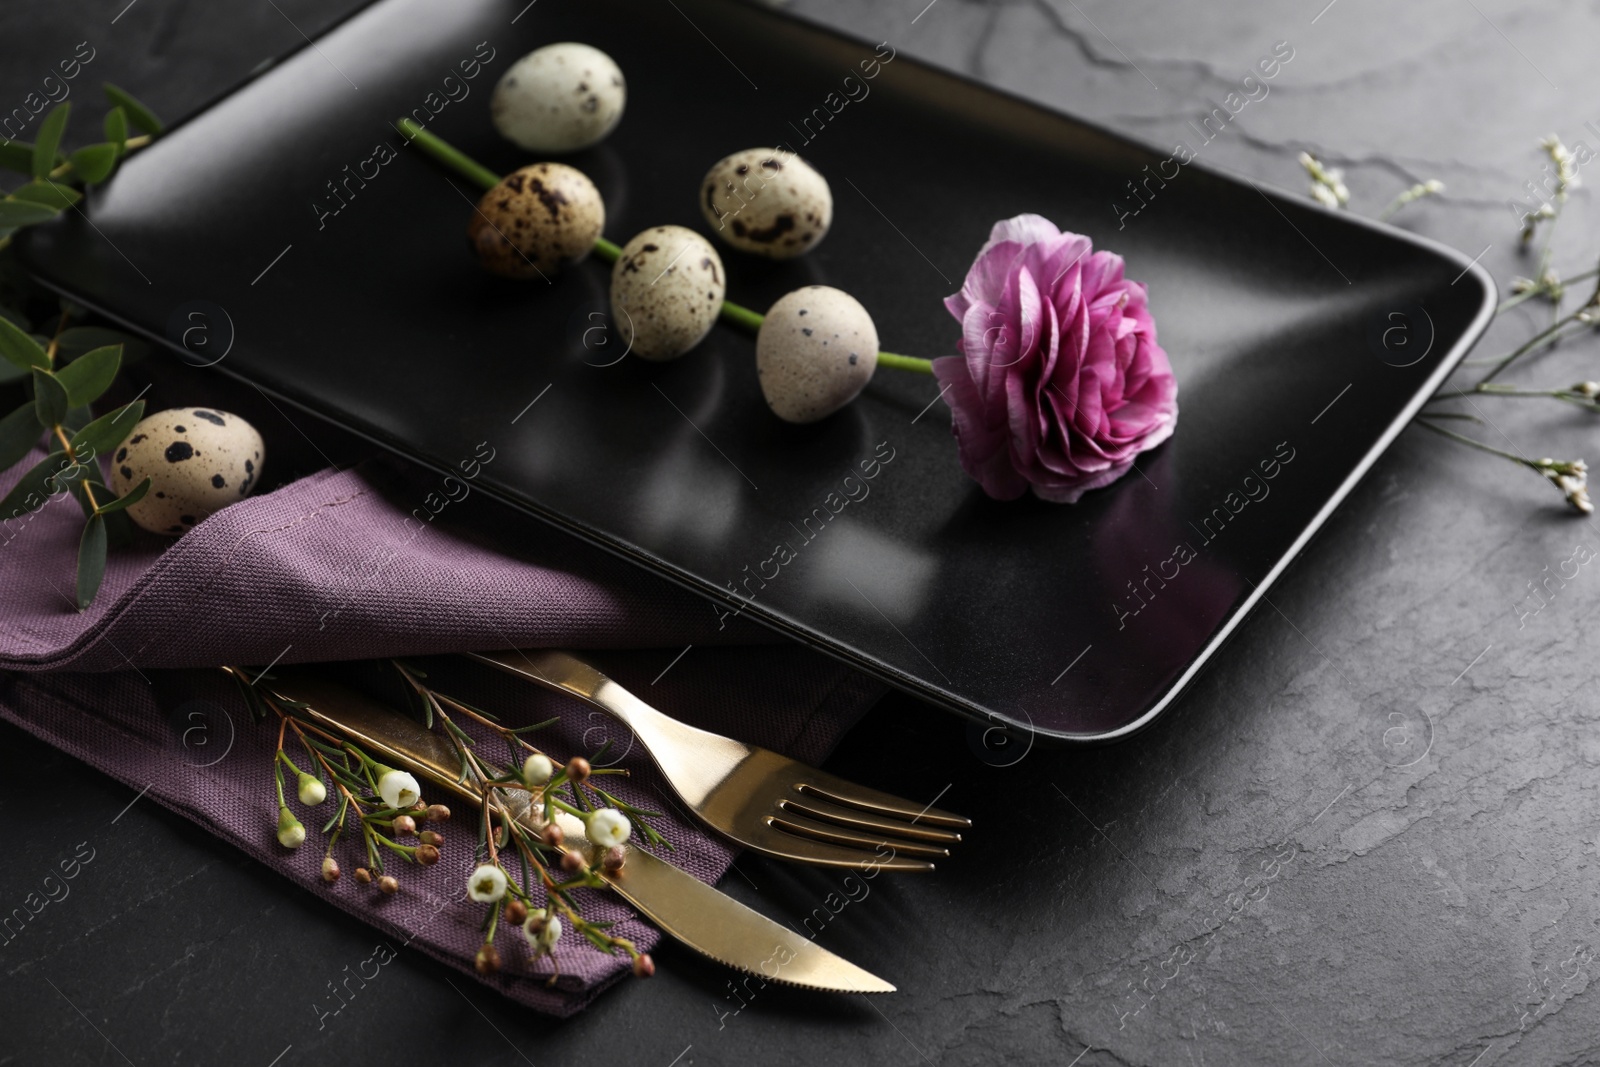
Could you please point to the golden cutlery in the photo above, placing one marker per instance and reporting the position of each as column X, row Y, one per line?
column 683, row 907
column 766, row 802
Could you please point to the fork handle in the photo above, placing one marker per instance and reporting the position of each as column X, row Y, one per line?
column 715, row 755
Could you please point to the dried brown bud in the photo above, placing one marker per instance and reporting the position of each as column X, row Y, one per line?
column 552, row 835
column 427, row 855
column 614, row 858
column 431, row 837
column 644, row 966
column 488, row 960
column 436, row 813
column 330, row 869
column 389, row 884
column 516, row 912
column 572, row 863
column 363, row 875
column 577, row 769
column 404, row 826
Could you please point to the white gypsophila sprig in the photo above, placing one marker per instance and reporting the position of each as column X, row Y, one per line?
column 1327, row 183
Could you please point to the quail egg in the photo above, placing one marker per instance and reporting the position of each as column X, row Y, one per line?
column 666, row 291
column 538, row 220
column 559, row 98
column 816, row 350
column 768, row 201
column 198, row 460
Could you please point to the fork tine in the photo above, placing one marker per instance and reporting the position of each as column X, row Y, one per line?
column 856, row 819
column 795, row 846
column 855, row 796
column 838, row 835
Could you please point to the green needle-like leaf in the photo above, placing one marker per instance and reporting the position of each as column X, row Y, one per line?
column 141, row 117
column 116, row 126
column 91, row 561
column 19, row 432
column 132, row 497
column 15, row 214
column 20, row 349
column 50, row 131
column 90, row 375
column 104, row 434
column 50, row 398
column 94, row 163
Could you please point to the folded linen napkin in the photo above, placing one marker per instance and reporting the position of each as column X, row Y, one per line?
column 333, row 567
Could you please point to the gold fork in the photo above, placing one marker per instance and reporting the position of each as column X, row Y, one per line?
column 759, row 799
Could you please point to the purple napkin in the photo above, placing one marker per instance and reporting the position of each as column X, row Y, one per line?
column 335, row 566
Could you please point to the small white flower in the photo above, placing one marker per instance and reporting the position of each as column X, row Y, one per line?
column 398, row 789
column 1433, row 186
column 487, row 884
column 537, row 769
column 312, row 791
column 291, row 834
column 1325, row 196
column 606, row 827
column 542, row 930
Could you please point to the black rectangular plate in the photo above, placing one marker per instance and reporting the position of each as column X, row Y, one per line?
column 379, row 318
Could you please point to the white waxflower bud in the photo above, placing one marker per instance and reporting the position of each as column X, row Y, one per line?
column 398, row 789
column 607, row 827
column 487, row 884
column 291, row 834
column 312, row 791
column 537, row 769
column 542, row 930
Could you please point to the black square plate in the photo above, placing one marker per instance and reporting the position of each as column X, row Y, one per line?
column 358, row 300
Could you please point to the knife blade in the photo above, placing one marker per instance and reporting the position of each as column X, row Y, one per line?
column 679, row 904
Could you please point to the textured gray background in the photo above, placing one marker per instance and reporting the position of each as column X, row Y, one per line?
column 1367, row 835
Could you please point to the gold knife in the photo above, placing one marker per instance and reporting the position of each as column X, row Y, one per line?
column 683, row 907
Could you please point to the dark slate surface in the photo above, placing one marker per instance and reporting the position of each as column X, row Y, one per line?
column 1368, row 835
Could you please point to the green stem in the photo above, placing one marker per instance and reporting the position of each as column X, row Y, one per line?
column 1522, row 460
column 469, row 168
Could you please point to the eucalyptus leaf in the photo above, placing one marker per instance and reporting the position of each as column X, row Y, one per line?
column 119, row 528
column 34, row 488
column 19, row 213
column 81, row 486
column 91, row 561
column 19, row 433
column 139, row 116
column 77, row 419
column 103, row 435
column 132, row 497
column 18, row 348
column 116, row 127
column 74, row 341
column 50, row 194
column 50, row 131
column 50, row 398
column 94, row 163
column 17, row 156
column 90, row 375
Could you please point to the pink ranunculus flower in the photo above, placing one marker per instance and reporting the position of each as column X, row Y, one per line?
column 1060, row 383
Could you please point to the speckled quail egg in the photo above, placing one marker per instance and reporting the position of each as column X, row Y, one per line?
column 816, row 350
column 538, row 220
column 666, row 291
column 559, row 98
column 768, row 201
column 198, row 461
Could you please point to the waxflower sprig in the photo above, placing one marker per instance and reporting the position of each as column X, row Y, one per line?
column 64, row 371
column 1569, row 477
column 520, row 812
column 382, row 804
